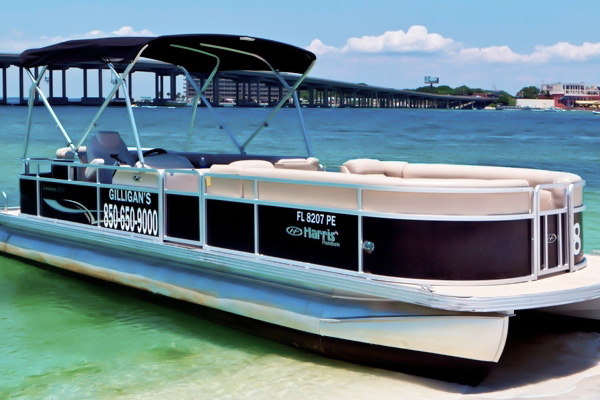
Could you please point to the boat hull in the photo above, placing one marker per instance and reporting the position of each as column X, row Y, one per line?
column 454, row 346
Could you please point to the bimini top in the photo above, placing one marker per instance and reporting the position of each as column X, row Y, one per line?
column 176, row 50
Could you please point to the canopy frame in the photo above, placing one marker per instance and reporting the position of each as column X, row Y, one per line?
column 36, row 56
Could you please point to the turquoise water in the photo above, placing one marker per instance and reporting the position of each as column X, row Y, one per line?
column 66, row 338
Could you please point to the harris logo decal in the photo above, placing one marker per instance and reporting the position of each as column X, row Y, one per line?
column 294, row 231
column 327, row 237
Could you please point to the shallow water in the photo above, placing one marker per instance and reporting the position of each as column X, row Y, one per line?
column 67, row 338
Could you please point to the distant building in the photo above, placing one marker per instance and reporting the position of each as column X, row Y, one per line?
column 568, row 95
column 535, row 103
column 238, row 92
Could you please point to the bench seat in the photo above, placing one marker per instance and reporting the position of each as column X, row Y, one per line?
column 417, row 201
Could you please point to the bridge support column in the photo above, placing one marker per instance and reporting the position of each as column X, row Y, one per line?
column 161, row 80
column 64, row 82
column 130, row 86
column 216, row 91
column 4, row 86
column 21, row 83
column 100, row 82
column 51, row 83
column 280, row 92
column 85, row 83
column 173, row 83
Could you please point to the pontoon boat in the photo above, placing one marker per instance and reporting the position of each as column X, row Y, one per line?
column 411, row 267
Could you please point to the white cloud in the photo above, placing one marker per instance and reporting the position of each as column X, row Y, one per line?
column 561, row 51
column 129, row 31
column 122, row 31
column 401, row 58
column 95, row 33
column 492, row 54
column 416, row 39
column 566, row 52
column 17, row 42
column 318, row 47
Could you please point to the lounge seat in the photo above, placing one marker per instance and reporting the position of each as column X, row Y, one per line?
column 315, row 191
column 65, row 153
column 550, row 198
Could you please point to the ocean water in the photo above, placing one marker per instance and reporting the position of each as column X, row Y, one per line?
column 65, row 338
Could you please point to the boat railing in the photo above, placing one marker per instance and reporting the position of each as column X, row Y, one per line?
column 551, row 252
column 5, row 197
column 557, row 235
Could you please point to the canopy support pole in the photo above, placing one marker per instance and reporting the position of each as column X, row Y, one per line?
column 200, row 95
column 30, row 102
column 116, row 87
column 35, row 83
column 306, row 140
column 121, row 80
column 291, row 92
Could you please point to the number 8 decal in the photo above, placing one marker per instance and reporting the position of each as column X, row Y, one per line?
column 576, row 243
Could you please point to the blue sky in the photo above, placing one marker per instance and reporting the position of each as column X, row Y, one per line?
column 507, row 44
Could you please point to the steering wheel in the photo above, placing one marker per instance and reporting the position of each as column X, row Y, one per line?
column 156, row 150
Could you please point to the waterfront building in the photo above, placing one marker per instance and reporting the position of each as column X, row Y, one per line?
column 227, row 91
column 569, row 95
column 536, row 103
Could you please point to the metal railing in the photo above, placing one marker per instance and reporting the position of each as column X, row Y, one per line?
column 566, row 239
column 556, row 232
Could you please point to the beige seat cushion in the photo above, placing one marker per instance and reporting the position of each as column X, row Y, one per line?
column 364, row 166
column 308, row 164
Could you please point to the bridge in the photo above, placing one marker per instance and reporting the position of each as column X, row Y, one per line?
column 248, row 88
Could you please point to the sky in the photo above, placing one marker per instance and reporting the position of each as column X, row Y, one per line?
column 502, row 45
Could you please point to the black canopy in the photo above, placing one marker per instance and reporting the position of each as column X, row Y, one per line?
column 283, row 57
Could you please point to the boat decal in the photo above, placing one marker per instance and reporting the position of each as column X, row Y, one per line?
column 131, row 219
column 129, row 196
column 326, row 237
column 127, row 210
column 79, row 209
column 576, row 239
column 294, row 231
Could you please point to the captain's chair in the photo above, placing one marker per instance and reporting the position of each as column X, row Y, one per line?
column 106, row 148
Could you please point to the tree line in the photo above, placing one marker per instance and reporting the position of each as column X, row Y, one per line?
column 504, row 98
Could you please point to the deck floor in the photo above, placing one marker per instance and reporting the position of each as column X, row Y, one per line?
column 565, row 282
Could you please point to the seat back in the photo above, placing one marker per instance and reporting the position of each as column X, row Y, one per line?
column 106, row 148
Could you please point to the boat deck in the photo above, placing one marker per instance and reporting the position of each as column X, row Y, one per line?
column 578, row 286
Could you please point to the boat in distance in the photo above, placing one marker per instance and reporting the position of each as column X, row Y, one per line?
column 406, row 266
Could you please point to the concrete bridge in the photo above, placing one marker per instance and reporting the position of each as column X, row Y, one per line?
column 248, row 88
